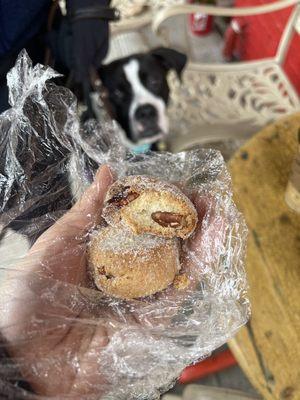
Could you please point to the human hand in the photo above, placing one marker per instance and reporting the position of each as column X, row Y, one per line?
column 55, row 327
column 42, row 307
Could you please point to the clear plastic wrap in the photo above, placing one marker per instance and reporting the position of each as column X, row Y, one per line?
column 65, row 338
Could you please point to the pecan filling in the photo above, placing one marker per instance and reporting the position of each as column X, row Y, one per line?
column 123, row 198
column 167, row 219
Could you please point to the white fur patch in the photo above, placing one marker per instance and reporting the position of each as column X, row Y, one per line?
column 141, row 96
column 13, row 246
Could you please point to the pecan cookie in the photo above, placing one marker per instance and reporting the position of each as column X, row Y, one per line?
column 128, row 266
column 148, row 205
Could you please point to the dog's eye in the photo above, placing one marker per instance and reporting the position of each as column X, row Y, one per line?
column 118, row 94
column 154, row 83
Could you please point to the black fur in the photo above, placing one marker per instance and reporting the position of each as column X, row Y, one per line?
column 153, row 69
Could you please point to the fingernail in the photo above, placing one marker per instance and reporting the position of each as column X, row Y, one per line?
column 98, row 173
column 107, row 175
column 111, row 176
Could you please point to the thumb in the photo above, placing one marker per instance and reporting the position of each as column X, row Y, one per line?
column 92, row 200
column 87, row 211
column 84, row 214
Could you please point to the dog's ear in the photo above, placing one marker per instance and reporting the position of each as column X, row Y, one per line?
column 170, row 59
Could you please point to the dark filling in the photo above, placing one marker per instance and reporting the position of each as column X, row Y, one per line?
column 168, row 219
column 123, row 198
column 102, row 271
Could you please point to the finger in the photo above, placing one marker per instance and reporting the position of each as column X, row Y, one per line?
column 84, row 214
column 204, row 207
column 207, row 243
column 93, row 198
column 88, row 209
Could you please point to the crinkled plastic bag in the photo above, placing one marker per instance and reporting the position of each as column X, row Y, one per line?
column 61, row 335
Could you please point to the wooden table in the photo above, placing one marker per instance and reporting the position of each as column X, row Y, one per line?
column 268, row 348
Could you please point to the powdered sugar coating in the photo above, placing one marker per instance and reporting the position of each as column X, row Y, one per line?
column 144, row 182
column 130, row 266
column 136, row 199
column 121, row 240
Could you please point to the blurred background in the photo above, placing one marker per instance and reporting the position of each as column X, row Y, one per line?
column 239, row 93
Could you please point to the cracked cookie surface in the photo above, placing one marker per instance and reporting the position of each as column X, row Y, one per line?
column 148, row 205
column 127, row 266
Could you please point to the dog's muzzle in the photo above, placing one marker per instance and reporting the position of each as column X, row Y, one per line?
column 146, row 122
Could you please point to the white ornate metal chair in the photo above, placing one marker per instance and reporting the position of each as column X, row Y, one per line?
column 127, row 34
column 132, row 33
column 217, row 102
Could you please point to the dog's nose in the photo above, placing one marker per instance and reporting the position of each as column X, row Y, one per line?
column 145, row 112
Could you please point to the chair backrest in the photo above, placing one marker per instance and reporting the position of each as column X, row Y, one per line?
column 166, row 13
column 250, row 93
column 136, row 14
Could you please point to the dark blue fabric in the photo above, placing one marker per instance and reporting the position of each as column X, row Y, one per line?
column 23, row 25
column 20, row 20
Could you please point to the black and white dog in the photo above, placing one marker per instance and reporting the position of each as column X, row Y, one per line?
column 138, row 93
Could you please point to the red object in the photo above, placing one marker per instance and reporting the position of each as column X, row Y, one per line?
column 213, row 364
column 200, row 24
column 233, row 48
column 262, row 34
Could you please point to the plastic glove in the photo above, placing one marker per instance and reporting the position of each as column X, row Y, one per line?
column 53, row 327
